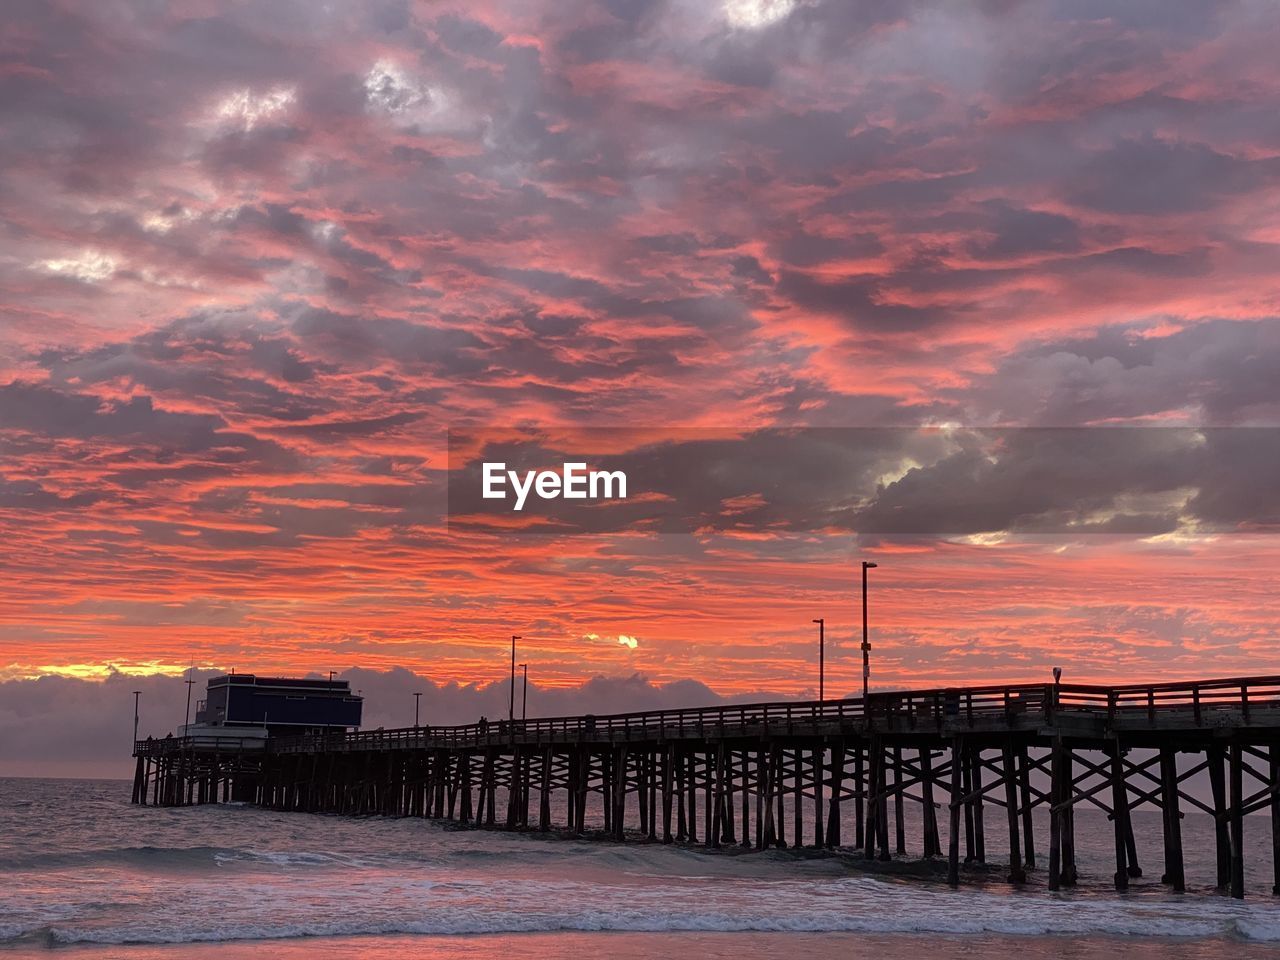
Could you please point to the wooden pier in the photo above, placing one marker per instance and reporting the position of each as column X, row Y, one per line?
column 777, row 774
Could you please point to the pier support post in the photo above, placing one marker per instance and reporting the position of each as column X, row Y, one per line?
column 1119, row 815
column 668, row 790
column 643, row 773
column 931, row 841
column 778, row 782
column 859, row 797
column 1024, row 783
column 1016, row 872
column 716, row 833
column 1275, row 819
column 544, row 792
column 797, row 796
column 1057, row 796
column 1217, row 785
column 619, row 798
column 979, row 804
column 837, row 785
column 764, row 807
column 728, row 832
column 583, row 790
column 139, row 780
column 1237, row 820
column 691, row 794
column 1070, row 874
column 682, row 772
column 875, row 785
column 899, row 821
column 710, row 830
column 817, row 796
column 464, row 784
column 1174, row 872
column 882, row 807
column 953, row 852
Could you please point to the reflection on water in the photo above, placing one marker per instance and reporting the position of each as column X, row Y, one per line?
column 82, row 866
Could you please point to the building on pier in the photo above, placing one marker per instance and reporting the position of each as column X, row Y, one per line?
column 279, row 706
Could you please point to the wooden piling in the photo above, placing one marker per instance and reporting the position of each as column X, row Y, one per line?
column 1024, row 783
column 957, row 781
column 1275, row 819
column 837, row 785
column 1237, row 820
column 899, row 821
column 1214, row 756
column 874, row 786
column 797, row 796
column 1119, row 815
column 1174, row 873
column 668, row 790
column 932, row 843
column 1057, row 797
column 1017, row 872
column 817, row 797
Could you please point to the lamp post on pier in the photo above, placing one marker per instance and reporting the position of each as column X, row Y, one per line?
column 136, row 695
column 417, row 700
column 190, row 682
column 511, row 712
column 822, row 656
column 866, row 645
column 524, row 696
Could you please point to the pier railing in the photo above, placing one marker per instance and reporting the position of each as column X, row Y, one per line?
column 1192, row 704
column 163, row 746
column 1007, row 705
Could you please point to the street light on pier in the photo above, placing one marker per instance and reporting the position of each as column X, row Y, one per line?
column 822, row 664
column 417, row 700
column 511, row 712
column 136, row 695
column 190, row 682
column 866, row 645
column 524, row 696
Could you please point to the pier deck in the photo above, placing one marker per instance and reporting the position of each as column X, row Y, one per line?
column 744, row 768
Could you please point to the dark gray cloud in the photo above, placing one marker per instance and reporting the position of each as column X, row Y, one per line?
column 1135, row 481
column 63, row 726
column 1216, row 372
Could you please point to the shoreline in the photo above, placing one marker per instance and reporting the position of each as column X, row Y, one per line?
column 624, row 945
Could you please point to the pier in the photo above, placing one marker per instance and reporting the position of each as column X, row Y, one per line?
column 780, row 774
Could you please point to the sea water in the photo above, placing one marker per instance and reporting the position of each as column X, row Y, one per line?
column 81, row 869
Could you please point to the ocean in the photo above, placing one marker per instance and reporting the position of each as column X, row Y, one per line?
column 88, row 875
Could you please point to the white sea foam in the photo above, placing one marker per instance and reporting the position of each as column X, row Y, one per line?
column 101, row 871
column 384, row 904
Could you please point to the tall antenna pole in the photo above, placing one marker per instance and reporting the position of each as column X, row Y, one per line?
column 511, row 713
column 190, row 683
column 822, row 657
column 866, row 645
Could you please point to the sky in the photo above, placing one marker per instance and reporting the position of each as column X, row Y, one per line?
column 256, row 260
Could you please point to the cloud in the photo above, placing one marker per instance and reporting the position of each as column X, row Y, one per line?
column 258, row 259
column 90, row 266
column 246, row 109
column 73, row 727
